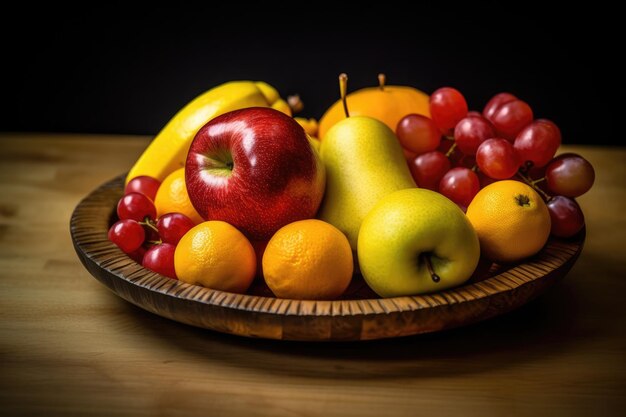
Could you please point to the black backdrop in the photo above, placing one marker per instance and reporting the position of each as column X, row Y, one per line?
column 114, row 70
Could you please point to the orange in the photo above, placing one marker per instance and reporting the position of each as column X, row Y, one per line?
column 511, row 220
column 308, row 260
column 216, row 255
column 172, row 197
column 389, row 105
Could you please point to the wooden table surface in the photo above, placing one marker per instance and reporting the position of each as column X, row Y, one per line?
column 70, row 347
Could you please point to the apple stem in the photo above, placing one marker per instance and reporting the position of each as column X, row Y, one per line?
column 431, row 271
column 343, row 89
column 381, row 81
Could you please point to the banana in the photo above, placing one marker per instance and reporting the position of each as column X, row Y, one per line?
column 310, row 126
column 168, row 150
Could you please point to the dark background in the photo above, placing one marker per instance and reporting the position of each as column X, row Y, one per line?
column 117, row 70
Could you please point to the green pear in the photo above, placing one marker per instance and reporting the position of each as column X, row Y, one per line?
column 416, row 241
column 364, row 162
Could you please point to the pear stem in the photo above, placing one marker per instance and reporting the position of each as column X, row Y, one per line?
column 429, row 265
column 381, row 81
column 343, row 89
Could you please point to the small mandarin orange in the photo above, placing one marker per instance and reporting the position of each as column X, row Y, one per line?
column 216, row 255
column 172, row 197
column 511, row 220
column 308, row 259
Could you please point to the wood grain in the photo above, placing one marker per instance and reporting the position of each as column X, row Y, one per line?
column 69, row 347
column 497, row 290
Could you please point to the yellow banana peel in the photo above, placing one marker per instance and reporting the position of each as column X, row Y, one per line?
column 310, row 126
column 168, row 150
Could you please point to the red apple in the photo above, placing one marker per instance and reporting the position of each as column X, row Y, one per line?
column 255, row 169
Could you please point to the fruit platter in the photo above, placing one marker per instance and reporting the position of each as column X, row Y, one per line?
column 397, row 213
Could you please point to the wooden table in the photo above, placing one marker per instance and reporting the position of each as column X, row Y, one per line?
column 70, row 347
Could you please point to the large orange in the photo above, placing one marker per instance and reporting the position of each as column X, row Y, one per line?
column 172, row 197
column 309, row 260
column 511, row 220
column 215, row 254
column 389, row 105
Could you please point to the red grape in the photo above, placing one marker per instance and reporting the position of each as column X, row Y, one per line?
column 497, row 159
column 445, row 146
column 408, row 155
column 160, row 259
column 485, row 180
column 570, row 175
column 465, row 161
column 535, row 172
column 127, row 234
column 495, row 102
column 566, row 216
column 460, row 185
column 135, row 206
column 470, row 132
column 173, row 226
column 427, row 169
column 538, row 142
column 510, row 118
column 447, row 107
column 137, row 255
column 418, row 133
column 143, row 184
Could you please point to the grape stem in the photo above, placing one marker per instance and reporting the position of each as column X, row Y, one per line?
column 149, row 223
column 520, row 173
column 451, row 150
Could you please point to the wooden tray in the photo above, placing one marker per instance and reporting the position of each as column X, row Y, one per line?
column 360, row 315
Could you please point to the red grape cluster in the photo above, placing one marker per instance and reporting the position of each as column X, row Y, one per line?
column 139, row 234
column 503, row 142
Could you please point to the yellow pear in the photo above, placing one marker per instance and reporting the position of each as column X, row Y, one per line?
column 364, row 163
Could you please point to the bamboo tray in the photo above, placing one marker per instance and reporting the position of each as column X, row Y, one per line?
column 359, row 315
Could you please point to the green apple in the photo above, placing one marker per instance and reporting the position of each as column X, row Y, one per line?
column 416, row 241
